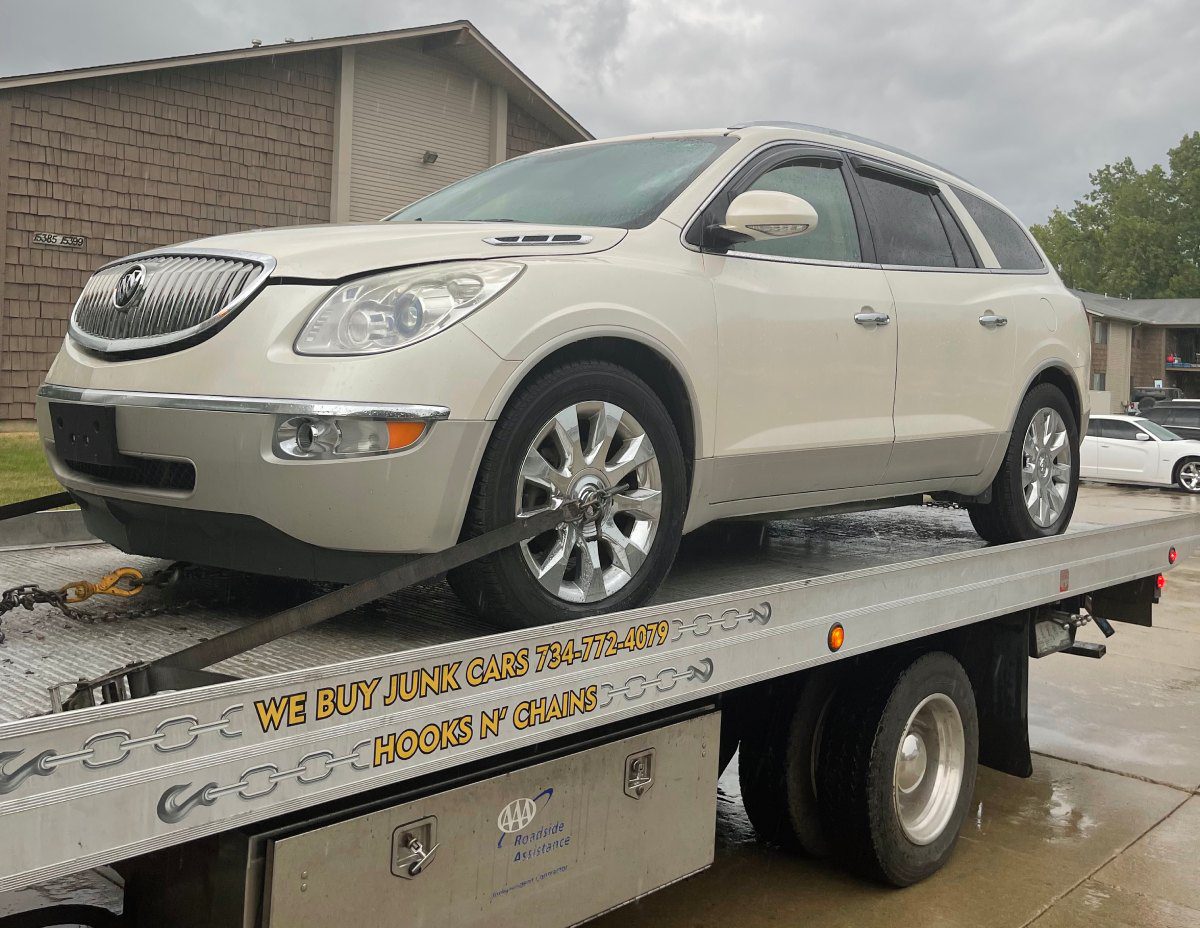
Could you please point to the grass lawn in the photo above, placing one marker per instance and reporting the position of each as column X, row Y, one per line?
column 23, row 470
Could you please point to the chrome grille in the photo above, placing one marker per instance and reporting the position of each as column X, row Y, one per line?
column 184, row 294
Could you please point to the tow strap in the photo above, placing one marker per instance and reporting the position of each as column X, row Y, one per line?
column 187, row 668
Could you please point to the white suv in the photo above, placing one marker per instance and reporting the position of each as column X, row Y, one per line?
column 693, row 326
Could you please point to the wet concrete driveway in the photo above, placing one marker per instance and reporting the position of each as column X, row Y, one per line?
column 1106, row 832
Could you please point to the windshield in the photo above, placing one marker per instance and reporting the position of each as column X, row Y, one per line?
column 623, row 185
column 1158, row 431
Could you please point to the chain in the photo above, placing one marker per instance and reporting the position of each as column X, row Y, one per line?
column 109, row 748
column 663, row 682
column 258, row 781
column 123, row 582
column 728, row 621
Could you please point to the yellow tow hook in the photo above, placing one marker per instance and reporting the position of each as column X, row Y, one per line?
column 108, row 585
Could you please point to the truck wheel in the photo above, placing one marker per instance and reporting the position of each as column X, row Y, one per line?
column 896, row 770
column 1034, row 492
column 577, row 430
column 777, row 766
column 1187, row 477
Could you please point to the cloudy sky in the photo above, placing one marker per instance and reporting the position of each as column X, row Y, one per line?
column 1023, row 97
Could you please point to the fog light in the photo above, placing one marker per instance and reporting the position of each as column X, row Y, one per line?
column 304, row 437
column 311, row 439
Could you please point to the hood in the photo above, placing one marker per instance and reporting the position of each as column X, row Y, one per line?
column 331, row 252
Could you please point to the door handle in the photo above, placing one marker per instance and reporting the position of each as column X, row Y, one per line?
column 871, row 320
column 992, row 321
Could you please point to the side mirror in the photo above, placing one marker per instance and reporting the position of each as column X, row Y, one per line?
column 763, row 214
column 1142, row 436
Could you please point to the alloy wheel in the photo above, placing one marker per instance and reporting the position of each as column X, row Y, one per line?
column 1189, row 476
column 1046, row 467
column 589, row 450
column 928, row 772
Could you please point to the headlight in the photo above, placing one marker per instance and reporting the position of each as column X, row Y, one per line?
column 399, row 308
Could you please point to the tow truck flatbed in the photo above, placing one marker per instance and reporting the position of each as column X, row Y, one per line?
column 412, row 686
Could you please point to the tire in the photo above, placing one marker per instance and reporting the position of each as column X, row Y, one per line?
column 859, row 770
column 777, row 767
column 1007, row 517
column 1187, row 475
column 503, row 586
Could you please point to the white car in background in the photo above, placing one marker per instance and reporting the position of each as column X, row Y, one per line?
column 1129, row 450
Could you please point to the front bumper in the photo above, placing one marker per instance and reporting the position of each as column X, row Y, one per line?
column 246, row 497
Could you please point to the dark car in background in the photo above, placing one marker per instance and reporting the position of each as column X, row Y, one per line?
column 1180, row 416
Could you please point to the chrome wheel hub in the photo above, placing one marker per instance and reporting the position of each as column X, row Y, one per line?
column 591, row 451
column 928, row 772
column 1046, row 467
column 1189, row 476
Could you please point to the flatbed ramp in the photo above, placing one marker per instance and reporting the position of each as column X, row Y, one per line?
column 393, row 692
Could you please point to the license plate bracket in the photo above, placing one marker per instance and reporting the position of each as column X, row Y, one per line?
column 85, row 433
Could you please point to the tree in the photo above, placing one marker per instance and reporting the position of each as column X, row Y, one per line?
column 1135, row 234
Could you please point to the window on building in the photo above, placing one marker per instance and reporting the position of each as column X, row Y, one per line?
column 1099, row 331
column 821, row 183
column 1010, row 244
column 905, row 223
column 1099, row 379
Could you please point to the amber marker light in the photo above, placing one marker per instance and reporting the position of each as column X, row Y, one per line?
column 836, row 637
column 403, row 434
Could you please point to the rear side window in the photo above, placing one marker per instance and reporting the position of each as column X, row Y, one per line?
column 1011, row 245
column 905, row 222
column 1095, row 428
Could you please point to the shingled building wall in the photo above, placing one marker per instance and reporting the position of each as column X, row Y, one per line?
column 141, row 160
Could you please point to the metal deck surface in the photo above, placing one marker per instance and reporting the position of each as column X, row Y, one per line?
column 44, row 647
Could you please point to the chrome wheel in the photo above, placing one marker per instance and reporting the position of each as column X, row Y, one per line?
column 1046, row 467
column 928, row 770
column 591, row 449
column 1189, row 476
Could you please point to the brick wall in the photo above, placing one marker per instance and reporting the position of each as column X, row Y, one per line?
column 143, row 160
column 526, row 134
column 1148, row 355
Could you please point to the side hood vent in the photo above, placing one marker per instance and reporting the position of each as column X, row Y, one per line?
column 558, row 238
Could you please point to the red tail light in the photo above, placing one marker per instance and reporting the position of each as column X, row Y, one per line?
column 1162, row 581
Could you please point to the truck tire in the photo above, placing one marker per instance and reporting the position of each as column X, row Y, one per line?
column 577, row 429
column 777, row 766
column 896, row 770
column 1033, row 493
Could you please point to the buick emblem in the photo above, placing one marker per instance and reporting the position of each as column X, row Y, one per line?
column 129, row 287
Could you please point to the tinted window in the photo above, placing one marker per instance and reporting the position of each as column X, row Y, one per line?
column 836, row 236
column 1116, row 428
column 1175, row 415
column 1094, row 428
column 1011, row 245
column 617, row 184
column 905, row 223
